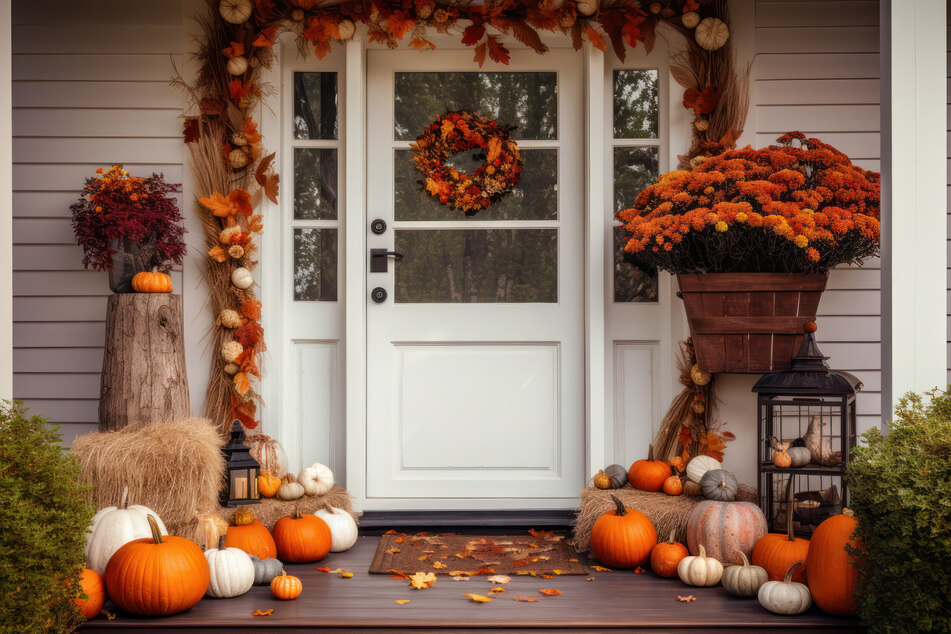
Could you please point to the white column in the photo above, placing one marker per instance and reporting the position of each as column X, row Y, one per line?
column 914, row 182
column 6, row 202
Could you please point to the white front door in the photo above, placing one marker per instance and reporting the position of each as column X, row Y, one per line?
column 475, row 359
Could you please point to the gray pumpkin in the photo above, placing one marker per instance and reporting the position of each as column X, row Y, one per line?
column 800, row 456
column 618, row 475
column 265, row 570
column 719, row 485
column 745, row 580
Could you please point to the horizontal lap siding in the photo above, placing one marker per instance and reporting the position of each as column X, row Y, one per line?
column 948, row 207
column 817, row 71
column 90, row 89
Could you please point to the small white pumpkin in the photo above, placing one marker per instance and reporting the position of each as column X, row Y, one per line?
column 711, row 33
column 700, row 570
column 346, row 29
column 115, row 526
column 699, row 465
column 786, row 596
column 587, row 7
column 317, row 479
column 800, row 456
column 744, row 580
column 238, row 65
column 235, row 11
column 690, row 19
column 290, row 489
column 230, row 570
column 343, row 528
column 242, row 278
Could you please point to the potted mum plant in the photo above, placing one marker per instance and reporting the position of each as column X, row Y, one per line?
column 751, row 236
column 127, row 225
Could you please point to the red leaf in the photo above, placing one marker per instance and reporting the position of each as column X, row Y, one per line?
column 595, row 38
column 473, row 34
column 497, row 52
column 211, row 107
column 192, row 129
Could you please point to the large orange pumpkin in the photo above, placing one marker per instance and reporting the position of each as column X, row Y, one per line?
column 623, row 538
column 776, row 552
column 157, row 575
column 724, row 528
column 831, row 573
column 302, row 538
column 91, row 585
column 666, row 556
column 648, row 475
column 254, row 539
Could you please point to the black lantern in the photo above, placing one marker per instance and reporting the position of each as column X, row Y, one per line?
column 242, row 471
column 806, row 416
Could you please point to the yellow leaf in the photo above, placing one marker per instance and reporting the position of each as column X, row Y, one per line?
column 402, row 601
column 422, row 557
column 601, row 569
column 499, row 579
column 438, row 565
column 393, row 551
column 478, row 598
column 422, row 580
column 497, row 589
column 347, row 575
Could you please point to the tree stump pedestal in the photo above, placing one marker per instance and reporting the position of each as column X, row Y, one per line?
column 143, row 367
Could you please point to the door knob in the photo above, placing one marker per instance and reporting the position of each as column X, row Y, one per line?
column 378, row 226
column 378, row 259
column 378, row 295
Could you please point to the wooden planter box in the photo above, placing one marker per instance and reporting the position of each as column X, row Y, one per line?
column 748, row 323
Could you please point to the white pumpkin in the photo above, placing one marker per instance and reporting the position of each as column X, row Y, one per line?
column 786, row 596
column 290, row 488
column 700, row 570
column 317, row 479
column 346, row 29
column 235, row 11
column 343, row 528
column 115, row 526
column 242, row 278
column 690, row 19
column 587, row 7
column 230, row 570
column 711, row 33
column 238, row 65
column 699, row 465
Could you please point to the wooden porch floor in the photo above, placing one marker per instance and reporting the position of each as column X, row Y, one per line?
column 615, row 600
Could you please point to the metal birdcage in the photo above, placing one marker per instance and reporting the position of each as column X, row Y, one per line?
column 812, row 407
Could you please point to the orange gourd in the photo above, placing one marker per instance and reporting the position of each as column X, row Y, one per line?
column 302, row 538
column 623, row 538
column 151, row 282
column 268, row 484
column 243, row 516
column 831, row 574
column 286, row 587
column 776, row 552
column 157, row 575
column 648, row 475
column 91, row 585
column 666, row 556
column 673, row 485
column 254, row 539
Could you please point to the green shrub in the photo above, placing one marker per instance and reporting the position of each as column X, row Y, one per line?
column 900, row 486
column 43, row 520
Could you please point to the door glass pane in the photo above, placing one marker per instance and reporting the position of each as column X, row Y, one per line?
column 634, row 169
column 636, row 104
column 315, row 105
column 534, row 198
column 315, row 183
column 526, row 100
column 485, row 265
column 315, row 264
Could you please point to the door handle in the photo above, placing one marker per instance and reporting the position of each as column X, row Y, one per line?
column 378, row 259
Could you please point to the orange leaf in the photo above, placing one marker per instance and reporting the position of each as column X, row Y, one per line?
column 638, row 571
column 346, row 575
column 497, row 589
column 497, row 52
column 550, row 592
column 390, row 532
column 478, row 598
column 241, row 383
column 251, row 309
column 266, row 37
column 419, row 43
column 241, row 200
column 323, row 569
column 480, row 52
column 218, row 254
column 422, row 580
column 260, row 174
column 595, row 38
column 272, row 187
column 211, row 107
column 218, row 205
column 236, row 49
column 393, row 551
column 263, row 612
column 525, row 599
column 255, row 223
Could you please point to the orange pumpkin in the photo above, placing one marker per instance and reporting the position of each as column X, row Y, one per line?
column 153, row 282
column 254, row 539
column 157, row 575
column 648, row 475
column 302, row 539
column 673, row 485
column 623, row 538
column 268, row 484
column 776, row 552
column 666, row 556
column 831, row 574
column 91, row 585
column 286, row 587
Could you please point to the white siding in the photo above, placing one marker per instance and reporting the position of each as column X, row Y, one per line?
column 90, row 88
column 948, row 126
column 817, row 71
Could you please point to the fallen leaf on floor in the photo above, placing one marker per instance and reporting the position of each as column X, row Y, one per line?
column 525, row 599
column 550, row 592
column 558, row 572
column 461, row 578
column 347, row 575
column 485, row 570
column 497, row 589
column 573, row 560
column 422, row 534
column 547, row 576
column 323, row 569
column 638, row 571
column 438, row 565
column 458, row 573
column 544, row 557
column 397, row 574
column 422, row 580
column 336, row 571
column 601, row 569
column 399, row 540
column 534, row 545
column 499, row 579
column 590, row 579
column 686, row 599
column 422, row 557
column 402, row 601
column 393, row 551
column 390, row 532
column 263, row 612
column 478, row 598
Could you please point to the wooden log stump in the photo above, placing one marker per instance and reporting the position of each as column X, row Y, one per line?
column 143, row 368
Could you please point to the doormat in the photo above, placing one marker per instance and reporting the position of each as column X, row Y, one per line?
column 537, row 552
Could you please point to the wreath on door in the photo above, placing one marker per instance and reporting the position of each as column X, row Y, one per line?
column 456, row 132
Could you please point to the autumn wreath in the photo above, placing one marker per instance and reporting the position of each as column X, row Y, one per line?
column 456, row 132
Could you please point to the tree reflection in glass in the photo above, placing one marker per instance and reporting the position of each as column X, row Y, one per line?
column 315, row 106
column 315, row 183
column 315, row 264
column 634, row 169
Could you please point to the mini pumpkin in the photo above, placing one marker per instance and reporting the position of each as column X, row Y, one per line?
column 286, row 587
column 711, row 33
column 237, row 65
column 744, row 580
column 243, row 516
column 673, row 485
column 242, row 278
column 700, row 570
column 719, row 485
column 268, row 484
column 229, row 318
column 265, row 570
column 151, row 282
column 231, row 572
column 786, row 596
column 587, row 7
column 690, row 19
column 648, row 475
column 781, row 456
column 235, row 11
column 302, row 539
column 602, row 480
column 618, row 475
column 699, row 465
column 346, row 29
column 799, row 456
column 699, row 377
column 623, row 538
column 231, row 350
column 237, row 159
column 290, row 489
column 90, row 584
column 317, row 479
column 666, row 556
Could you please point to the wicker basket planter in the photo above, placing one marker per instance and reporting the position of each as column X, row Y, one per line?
column 748, row 323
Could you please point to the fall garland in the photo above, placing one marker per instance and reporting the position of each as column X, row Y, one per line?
column 233, row 173
column 456, row 132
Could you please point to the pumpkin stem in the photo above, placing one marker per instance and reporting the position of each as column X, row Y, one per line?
column 703, row 551
column 790, row 536
column 746, row 562
column 620, row 511
column 156, row 533
column 788, row 576
column 221, row 542
column 670, row 538
column 124, row 499
column 650, row 453
column 328, row 508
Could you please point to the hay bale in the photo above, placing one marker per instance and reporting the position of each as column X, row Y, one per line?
column 175, row 468
column 666, row 512
column 271, row 509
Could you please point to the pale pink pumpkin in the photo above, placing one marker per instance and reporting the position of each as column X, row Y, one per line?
column 725, row 529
